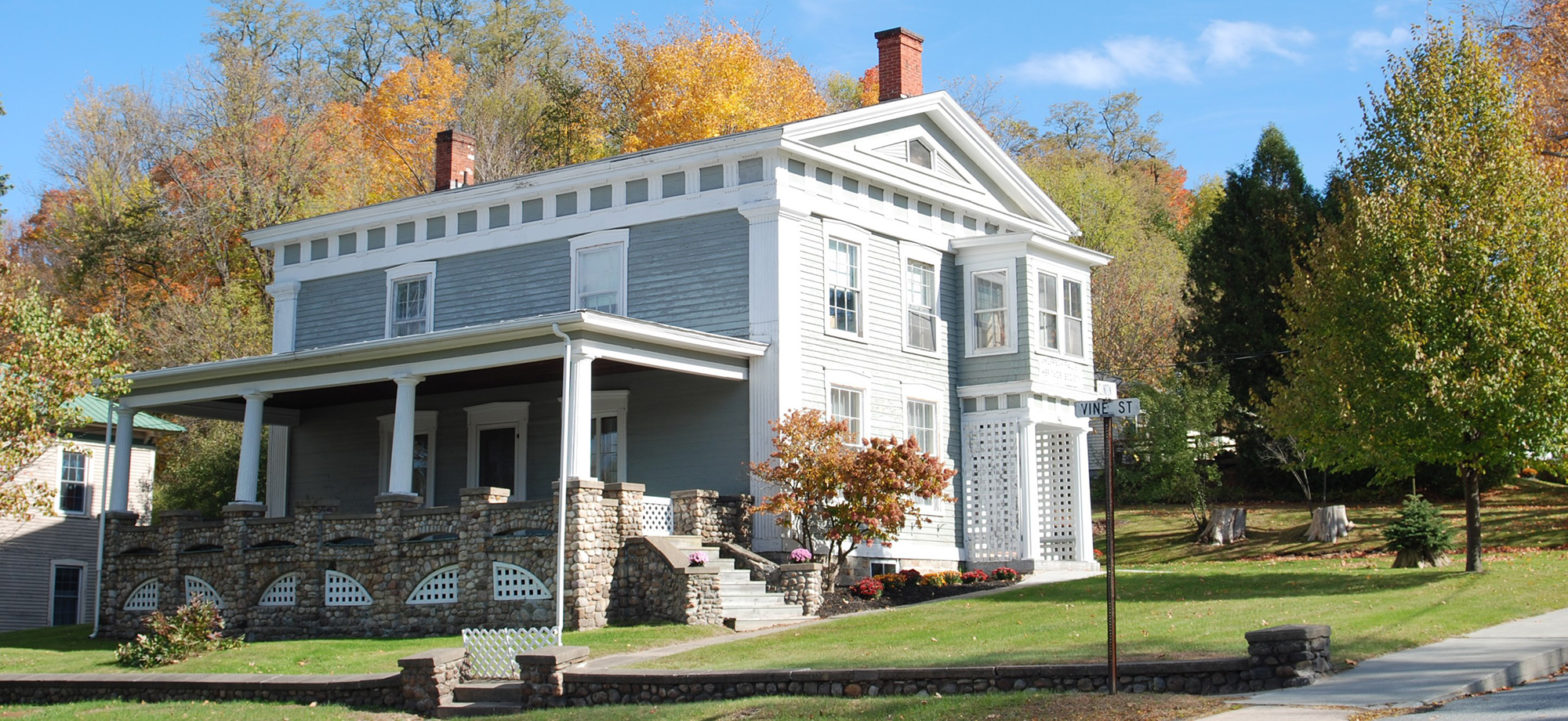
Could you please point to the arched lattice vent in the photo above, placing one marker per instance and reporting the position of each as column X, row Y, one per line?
column 343, row 590
column 144, row 598
column 198, row 589
column 281, row 592
column 515, row 583
column 438, row 587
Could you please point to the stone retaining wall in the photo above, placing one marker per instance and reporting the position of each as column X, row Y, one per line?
column 654, row 582
column 364, row 690
column 711, row 516
column 427, row 679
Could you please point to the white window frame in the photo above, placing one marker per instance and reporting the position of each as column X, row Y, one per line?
column 839, row 232
column 610, row 404
column 932, row 396
column 1082, row 319
column 912, row 253
column 404, row 273
column 490, row 416
column 81, row 589
column 1009, row 311
column 1048, row 313
column 599, row 240
column 424, row 423
column 87, row 487
column 854, row 382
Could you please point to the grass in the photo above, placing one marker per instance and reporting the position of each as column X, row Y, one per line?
column 67, row 649
column 989, row 707
column 1178, row 611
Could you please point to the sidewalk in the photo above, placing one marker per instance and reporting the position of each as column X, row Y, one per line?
column 1486, row 660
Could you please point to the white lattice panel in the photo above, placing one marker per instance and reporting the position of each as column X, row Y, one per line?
column 144, row 598
column 515, row 583
column 281, row 592
column 993, row 519
column 343, row 590
column 1058, row 495
column 492, row 653
column 198, row 589
column 658, row 516
column 438, row 587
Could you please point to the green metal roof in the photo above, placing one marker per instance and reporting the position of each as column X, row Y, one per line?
column 97, row 410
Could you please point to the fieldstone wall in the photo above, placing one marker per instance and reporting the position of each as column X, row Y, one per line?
column 363, row 690
column 711, row 516
column 428, row 678
column 540, row 674
column 801, row 584
column 1288, row 656
column 388, row 552
column 654, row 582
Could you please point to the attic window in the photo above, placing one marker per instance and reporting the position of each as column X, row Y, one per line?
column 919, row 154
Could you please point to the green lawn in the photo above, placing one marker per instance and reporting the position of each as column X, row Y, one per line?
column 67, row 649
column 1170, row 611
column 988, row 707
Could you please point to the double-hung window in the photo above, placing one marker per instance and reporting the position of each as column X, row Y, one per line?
column 410, row 299
column 599, row 272
column 848, row 405
column 920, row 419
column 1072, row 311
column 843, row 279
column 988, row 307
column 920, row 304
column 73, row 482
column 1050, row 333
column 607, row 448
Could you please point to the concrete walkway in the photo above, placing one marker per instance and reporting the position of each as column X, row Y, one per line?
column 1486, row 660
column 621, row 660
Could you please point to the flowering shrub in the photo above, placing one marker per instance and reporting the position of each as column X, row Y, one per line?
column 698, row 558
column 1004, row 574
column 911, row 576
column 892, row 582
column 953, row 578
column 867, row 588
column 800, row 555
column 976, row 576
column 1099, row 553
column 196, row 628
column 935, row 580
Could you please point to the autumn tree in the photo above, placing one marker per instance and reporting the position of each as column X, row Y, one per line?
column 1427, row 324
column 1533, row 45
column 834, row 496
column 695, row 81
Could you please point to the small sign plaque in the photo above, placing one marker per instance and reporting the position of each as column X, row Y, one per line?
column 1106, row 408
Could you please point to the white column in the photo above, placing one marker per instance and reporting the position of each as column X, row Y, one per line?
column 401, row 477
column 285, row 305
column 245, row 481
column 277, row 471
column 1030, row 491
column 1083, row 529
column 120, row 492
column 579, row 402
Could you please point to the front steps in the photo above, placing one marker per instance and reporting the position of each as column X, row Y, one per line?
column 748, row 604
column 483, row 698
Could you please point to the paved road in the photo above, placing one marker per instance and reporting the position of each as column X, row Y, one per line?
column 1545, row 700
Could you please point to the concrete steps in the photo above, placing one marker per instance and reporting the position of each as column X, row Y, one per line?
column 483, row 698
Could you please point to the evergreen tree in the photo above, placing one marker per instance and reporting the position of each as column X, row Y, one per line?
column 1239, row 264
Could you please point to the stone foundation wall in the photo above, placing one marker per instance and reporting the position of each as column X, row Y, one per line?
column 388, row 552
column 654, row 582
column 1288, row 656
column 713, row 517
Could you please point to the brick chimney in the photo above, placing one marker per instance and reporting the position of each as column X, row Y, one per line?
column 898, row 64
column 454, row 159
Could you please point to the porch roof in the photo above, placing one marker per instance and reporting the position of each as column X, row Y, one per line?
column 206, row 389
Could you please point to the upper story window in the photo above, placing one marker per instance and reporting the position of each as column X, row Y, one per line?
column 73, row 482
column 410, row 299
column 990, row 308
column 920, row 305
column 843, row 279
column 920, row 422
column 599, row 271
column 1050, row 332
column 1072, row 312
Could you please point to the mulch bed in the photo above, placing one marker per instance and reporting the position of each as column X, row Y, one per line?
column 841, row 601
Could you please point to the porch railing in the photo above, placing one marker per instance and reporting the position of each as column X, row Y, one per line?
column 658, row 516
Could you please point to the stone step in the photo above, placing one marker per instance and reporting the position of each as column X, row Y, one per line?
column 496, row 691
column 462, row 709
column 733, row 609
column 735, row 575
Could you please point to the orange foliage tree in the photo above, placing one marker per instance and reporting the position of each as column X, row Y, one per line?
column 693, row 82
column 1534, row 48
column 400, row 118
column 833, row 496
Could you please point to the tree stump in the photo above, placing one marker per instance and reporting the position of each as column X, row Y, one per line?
column 1329, row 524
column 1226, row 525
column 1414, row 558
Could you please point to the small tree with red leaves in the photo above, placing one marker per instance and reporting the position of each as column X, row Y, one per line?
column 833, row 496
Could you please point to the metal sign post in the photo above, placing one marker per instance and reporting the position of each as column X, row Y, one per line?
column 1107, row 409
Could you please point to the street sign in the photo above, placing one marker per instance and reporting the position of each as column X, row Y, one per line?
column 1106, row 408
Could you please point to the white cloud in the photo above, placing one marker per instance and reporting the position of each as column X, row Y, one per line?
column 1117, row 62
column 1376, row 43
column 1235, row 43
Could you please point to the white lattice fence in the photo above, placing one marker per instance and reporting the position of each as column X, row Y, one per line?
column 993, row 524
column 1058, row 495
column 492, row 652
column 658, row 516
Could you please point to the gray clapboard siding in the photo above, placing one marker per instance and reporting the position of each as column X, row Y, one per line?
column 502, row 284
column 342, row 309
column 691, row 272
column 26, row 556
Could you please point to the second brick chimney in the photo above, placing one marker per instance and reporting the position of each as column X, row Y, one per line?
column 898, row 64
column 454, row 159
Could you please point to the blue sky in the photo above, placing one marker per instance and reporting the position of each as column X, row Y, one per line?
column 1216, row 70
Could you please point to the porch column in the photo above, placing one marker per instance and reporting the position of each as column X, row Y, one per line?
column 401, row 476
column 1030, row 519
column 1083, row 529
column 124, row 428
column 579, row 405
column 250, row 449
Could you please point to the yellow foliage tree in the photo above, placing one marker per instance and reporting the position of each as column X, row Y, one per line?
column 400, row 118
column 691, row 82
